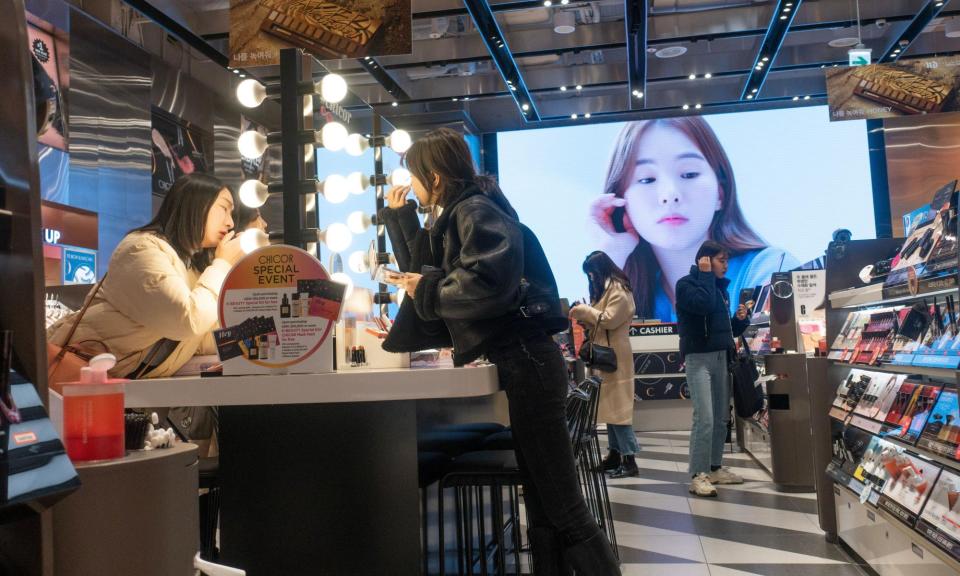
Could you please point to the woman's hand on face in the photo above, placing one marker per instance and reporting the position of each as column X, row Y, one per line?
column 229, row 248
column 617, row 245
column 397, row 196
column 704, row 264
column 410, row 283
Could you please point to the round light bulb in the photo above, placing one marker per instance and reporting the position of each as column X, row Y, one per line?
column 252, row 144
column 358, row 222
column 356, row 145
column 337, row 237
column 253, row 193
column 251, row 93
column 359, row 182
column 335, row 189
column 252, row 239
column 333, row 88
column 358, row 262
column 346, row 280
column 400, row 177
column 400, row 141
column 334, row 136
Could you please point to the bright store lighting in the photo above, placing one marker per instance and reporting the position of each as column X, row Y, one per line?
column 356, row 145
column 334, row 136
column 336, row 189
column 400, row 177
column 337, row 237
column 252, row 144
column 252, row 239
column 251, row 93
column 254, row 193
column 359, row 222
column 358, row 182
column 399, row 141
column 333, row 88
column 358, row 262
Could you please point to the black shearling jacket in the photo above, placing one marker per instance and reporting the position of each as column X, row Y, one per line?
column 493, row 278
column 703, row 314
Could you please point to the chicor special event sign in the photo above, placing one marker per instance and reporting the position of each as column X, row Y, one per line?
column 278, row 307
column 919, row 86
column 328, row 29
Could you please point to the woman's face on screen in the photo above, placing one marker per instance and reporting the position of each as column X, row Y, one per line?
column 673, row 193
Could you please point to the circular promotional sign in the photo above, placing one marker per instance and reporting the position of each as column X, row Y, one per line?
column 277, row 308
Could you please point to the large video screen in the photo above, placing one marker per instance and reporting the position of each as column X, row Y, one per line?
column 771, row 186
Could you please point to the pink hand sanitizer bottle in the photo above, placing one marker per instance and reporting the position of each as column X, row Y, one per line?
column 93, row 421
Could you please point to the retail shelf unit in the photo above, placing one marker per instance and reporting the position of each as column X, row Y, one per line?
column 883, row 501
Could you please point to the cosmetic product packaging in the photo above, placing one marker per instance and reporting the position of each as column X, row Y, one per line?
column 93, row 419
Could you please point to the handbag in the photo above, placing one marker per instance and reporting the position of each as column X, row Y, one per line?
column 597, row 356
column 64, row 362
column 747, row 396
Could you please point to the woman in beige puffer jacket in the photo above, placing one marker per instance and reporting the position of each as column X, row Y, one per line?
column 608, row 319
column 157, row 305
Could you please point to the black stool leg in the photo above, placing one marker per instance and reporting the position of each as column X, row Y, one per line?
column 515, row 510
column 482, row 515
column 497, row 496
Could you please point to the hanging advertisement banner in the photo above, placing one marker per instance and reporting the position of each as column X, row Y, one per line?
column 328, row 29
column 905, row 88
column 278, row 307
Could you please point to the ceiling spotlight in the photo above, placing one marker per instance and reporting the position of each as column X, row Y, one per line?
column 512, row 87
column 465, row 98
column 243, row 75
column 587, row 115
column 759, row 67
column 525, row 107
column 795, row 98
column 455, row 99
column 783, row 17
column 573, row 116
column 698, row 106
column 333, row 88
column 640, row 95
column 394, row 104
column 563, row 88
column 636, row 92
column 692, row 76
column 686, row 106
column 754, row 91
column 749, row 96
column 579, row 87
column 235, row 71
column 806, row 97
column 708, row 75
column 547, row 3
column 938, row 4
column 565, row 22
column 787, row 9
column 765, row 59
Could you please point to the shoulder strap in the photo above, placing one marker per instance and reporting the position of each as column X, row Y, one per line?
column 83, row 310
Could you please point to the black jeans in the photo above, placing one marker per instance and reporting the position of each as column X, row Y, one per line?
column 532, row 372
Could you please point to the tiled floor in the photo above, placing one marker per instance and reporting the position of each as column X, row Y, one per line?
column 747, row 530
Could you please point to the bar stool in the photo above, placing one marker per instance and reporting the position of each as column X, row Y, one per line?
column 209, row 472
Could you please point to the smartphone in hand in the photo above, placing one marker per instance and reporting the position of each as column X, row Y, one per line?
column 387, row 275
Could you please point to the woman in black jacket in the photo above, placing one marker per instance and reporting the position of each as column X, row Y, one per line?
column 491, row 285
column 706, row 339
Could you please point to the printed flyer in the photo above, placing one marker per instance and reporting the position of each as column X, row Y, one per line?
column 278, row 308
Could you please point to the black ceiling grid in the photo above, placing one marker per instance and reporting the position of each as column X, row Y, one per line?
column 496, row 43
column 931, row 9
column 780, row 21
column 384, row 79
column 635, row 22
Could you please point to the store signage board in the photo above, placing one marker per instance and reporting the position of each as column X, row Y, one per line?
column 278, row 307
column 657, row 366
column 809, row 299
column 327, row 29
column 902, row 88
column 79, row 266
column 940, row 520
column 859, row 56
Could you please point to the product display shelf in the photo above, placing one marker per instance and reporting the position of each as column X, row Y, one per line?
column 942, row 461
column 930, row 560
column 947, row 374
column 872, row 295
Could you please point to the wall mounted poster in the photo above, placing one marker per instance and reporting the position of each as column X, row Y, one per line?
column 48, row 47
column 278, row 307
column 904, row 88
column 328, row 29
column 911, row 480
column 940, row 521
column 179, row 147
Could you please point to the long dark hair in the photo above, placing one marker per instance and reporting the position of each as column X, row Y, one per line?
column 599, row 268
column 729, row 227
column 182, row 217
column 445, row 153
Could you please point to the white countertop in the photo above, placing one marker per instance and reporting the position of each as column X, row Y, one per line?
column 369, row 385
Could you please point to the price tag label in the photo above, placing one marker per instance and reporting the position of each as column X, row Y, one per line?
column 865, row 493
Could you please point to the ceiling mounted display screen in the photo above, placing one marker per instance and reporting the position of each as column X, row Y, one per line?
column 770, row 186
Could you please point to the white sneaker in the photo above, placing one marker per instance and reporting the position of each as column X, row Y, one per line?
column 724, row 476
column 701, row 486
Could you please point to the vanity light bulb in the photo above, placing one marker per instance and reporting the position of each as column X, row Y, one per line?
column 253, row 193
column 359, row 182
column 335, row 189
column 358, row 222
column 399, row 141
column 358, row 262
column 252, row 144
column 333, row 88
column 356, row 145
column 252, row 239
column 251, row 93
column 337, row 237
column 333, row 135
column 345, row 279
column 400, row 177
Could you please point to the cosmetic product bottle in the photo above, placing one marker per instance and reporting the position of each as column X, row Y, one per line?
column 284, row 307
column 254, row 348
column 93, row 421
column 304, row 304
column 264, row 347
column 295, row 305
